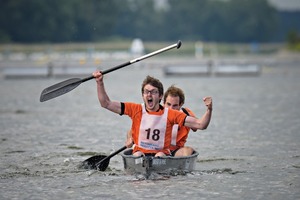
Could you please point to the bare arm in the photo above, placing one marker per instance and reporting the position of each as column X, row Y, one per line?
column 129, row 141
column 204, row 121
column 103, row 98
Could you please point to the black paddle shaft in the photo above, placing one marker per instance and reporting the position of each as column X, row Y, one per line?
column 107, row 71
column 178, row 45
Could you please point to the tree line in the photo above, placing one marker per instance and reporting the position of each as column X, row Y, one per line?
column 97, row 20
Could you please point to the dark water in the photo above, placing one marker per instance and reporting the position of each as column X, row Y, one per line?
column 251, row 149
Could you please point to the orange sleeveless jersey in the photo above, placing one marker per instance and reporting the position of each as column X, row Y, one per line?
column 134, row 111
column 182, row 134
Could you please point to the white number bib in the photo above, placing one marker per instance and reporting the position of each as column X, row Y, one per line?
column 153, row 130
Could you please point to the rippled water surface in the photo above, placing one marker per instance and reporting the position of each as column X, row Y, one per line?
column 251, row 149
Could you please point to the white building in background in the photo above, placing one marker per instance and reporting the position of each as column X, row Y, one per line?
column 137, row 47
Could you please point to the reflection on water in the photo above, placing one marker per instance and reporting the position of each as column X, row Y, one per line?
column 250, row 150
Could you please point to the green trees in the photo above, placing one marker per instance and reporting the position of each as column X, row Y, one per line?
column 229, row 21
column 35, row 20
column 55, row 20
column 94, row 20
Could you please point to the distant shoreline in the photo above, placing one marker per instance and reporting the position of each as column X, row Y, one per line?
column 188, row 48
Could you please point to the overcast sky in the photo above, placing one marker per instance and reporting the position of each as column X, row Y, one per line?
column 286, row 4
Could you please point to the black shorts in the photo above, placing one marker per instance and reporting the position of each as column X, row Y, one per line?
column 150, row 154
column 153, row 154
column 174, row 152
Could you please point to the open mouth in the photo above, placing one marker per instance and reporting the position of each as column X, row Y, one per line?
column 150, row 102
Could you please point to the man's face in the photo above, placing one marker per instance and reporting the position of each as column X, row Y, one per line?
column 172, row 103
column 151, row 98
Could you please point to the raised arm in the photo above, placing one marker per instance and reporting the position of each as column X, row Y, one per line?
column 204, row 121
column 103, row 98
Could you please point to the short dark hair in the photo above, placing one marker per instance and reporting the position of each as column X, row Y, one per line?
column 155, row 83
column 175, row 92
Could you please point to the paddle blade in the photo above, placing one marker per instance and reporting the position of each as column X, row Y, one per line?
column 99, row 162
column 59, row 89
column 91, row 162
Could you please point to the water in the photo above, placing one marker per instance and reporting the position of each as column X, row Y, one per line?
column 250, row 150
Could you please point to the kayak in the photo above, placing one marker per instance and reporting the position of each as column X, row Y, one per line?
column 147, row 165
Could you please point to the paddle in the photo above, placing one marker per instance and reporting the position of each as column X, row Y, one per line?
column 99, row 162
column 70, row 84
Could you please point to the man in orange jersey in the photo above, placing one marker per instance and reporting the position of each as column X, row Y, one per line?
column 151, row 122
column 174, row 99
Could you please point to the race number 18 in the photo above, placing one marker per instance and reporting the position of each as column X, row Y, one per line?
column 154, row 135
